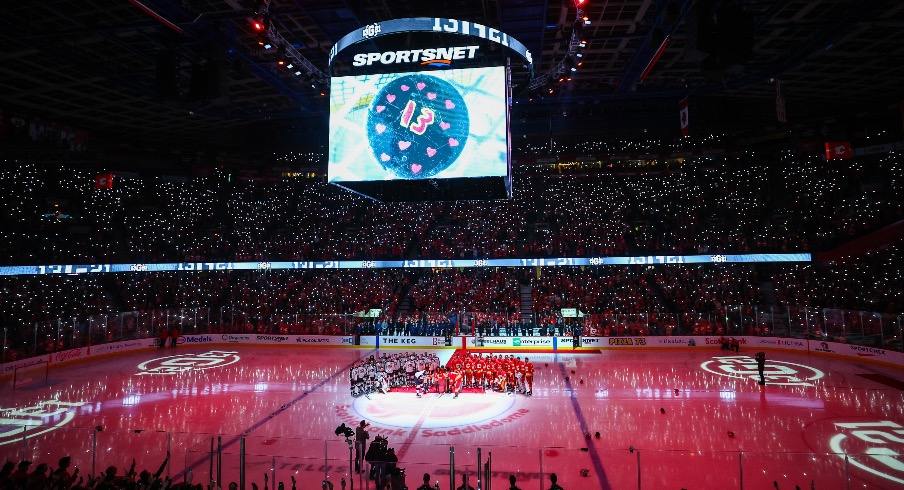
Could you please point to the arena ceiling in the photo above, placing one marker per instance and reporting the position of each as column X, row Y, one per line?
column 192, row 72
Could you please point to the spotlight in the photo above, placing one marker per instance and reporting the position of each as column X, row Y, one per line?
column 290, row 66
column 258, row 23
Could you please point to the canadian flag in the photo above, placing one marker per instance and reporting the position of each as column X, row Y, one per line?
column 838, row 149
column 683, row 115
column 103, row 181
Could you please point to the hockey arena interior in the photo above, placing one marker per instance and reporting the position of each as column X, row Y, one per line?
column 473, row 244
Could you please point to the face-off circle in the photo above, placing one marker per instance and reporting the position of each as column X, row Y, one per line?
column 417, row 126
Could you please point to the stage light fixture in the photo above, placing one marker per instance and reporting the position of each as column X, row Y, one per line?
column 281, row 55
column 258, row 23
column 260, row 41
column 290, row 66
column 297, row 73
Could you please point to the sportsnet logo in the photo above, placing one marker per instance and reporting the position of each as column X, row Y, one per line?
column 436, row 57
column 272, row 338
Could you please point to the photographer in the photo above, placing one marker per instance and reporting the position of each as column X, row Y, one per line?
column 361, row 437
column 761, row 366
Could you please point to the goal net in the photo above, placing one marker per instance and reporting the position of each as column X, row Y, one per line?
column 30, row 374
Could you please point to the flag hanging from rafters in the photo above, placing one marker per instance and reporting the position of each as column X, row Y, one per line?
column 838, row 150
column 780, row 112
column 683, row 115
column 103, row 181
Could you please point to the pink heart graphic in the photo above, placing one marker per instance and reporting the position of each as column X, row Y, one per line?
column 431, row 95
column 453, row 142
column 380, row 128
column 445, row 125
column 431, row 152
column 390, row 97
column 405, row 88
column 384, row 157
column 421, row 85
column 449, row 104
column 381, row 108
column 403, row 145
column 416, row 168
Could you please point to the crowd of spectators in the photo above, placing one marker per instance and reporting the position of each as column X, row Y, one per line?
column 746, row 203
column 743, row 203
column 21, row 476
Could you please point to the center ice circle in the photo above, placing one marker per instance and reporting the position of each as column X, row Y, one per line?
column 404, row 410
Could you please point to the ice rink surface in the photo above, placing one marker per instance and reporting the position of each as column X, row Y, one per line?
column 669, row 419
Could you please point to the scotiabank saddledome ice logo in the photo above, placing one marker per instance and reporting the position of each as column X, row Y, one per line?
column 433, row 412
column 188, row 362
column 776, row 372
column 19, row 423
column 874, row 447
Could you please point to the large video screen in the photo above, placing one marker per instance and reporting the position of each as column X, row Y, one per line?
column 418, row 125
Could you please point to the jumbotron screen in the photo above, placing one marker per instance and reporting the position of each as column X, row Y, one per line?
column 418, row 125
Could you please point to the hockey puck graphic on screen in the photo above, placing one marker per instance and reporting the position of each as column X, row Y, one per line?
column 417, row 126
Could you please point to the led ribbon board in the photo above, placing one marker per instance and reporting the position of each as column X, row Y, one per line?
column 76, row 269
column 435, row 25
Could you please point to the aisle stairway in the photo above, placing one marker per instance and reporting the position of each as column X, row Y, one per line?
column 527, row 302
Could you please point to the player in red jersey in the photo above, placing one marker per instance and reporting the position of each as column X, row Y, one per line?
column 529, row 377
column 455, row 381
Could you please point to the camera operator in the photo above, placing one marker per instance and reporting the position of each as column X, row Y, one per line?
column 376, row 456
column 361, row 437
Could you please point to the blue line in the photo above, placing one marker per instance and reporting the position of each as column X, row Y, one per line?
column 594, row 456
column 269, row 417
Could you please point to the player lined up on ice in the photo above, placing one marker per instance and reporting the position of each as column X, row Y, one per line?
column 388, row 371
